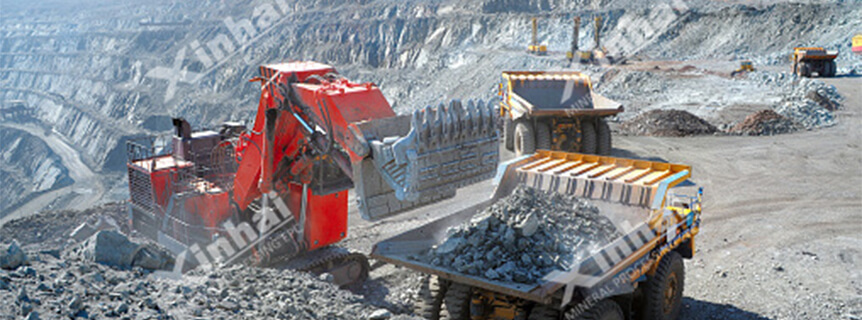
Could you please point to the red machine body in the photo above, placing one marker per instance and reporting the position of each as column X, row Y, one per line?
column 183, row 194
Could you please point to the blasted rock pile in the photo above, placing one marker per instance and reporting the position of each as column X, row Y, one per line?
column 667, row 123
column 806, row 101
column 109, row 275
column 765, row 123
column 807, row 113
column 53, row 289
column 523, row 237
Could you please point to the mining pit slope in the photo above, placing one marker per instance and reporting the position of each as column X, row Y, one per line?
column 780, row 236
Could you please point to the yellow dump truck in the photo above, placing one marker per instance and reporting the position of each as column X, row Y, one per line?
column 806, row 61
column 554, row 110
column 654, row 207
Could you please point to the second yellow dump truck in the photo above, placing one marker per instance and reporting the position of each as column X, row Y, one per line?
column 806, row 61
column 554, row 111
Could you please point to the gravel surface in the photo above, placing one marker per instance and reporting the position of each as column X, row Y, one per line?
column 523, row 237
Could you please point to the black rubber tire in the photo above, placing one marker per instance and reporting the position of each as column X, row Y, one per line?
column 456, row 302
column 543, row 136
column 670, row 272
column 603, row 138
column 832, row 69
column 508, row 132
column 804, row 70
column 525, row 138
column 589, row 141
column 544, row 312
column 603, row 310
column 430, row 299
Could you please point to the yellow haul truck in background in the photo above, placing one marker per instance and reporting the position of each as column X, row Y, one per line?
column 554, row 111
column 810, row 60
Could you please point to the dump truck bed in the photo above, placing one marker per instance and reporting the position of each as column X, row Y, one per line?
column 628, row 192
column 815, row 53
column 559, row 93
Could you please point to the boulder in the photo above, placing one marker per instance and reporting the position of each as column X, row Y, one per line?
column 380, row 314
column 12, row 257
column 114, row 249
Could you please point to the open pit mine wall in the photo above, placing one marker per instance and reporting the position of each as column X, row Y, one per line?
column 27, row 167
column 85, row 71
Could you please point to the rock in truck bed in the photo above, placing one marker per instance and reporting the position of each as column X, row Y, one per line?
column 523, row 237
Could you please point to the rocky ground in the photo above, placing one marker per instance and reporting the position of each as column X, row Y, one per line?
column 109, row 276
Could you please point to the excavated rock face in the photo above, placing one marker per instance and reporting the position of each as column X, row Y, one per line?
column 523, row 237
column 667, row 123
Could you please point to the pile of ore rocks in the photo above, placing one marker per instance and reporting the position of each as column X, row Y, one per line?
column 523, row 237
column 666, row 123
column 765, row 123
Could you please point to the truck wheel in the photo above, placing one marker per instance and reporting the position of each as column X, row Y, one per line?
column 603, row 136
column 431, row 293
column 588, row 137
column 543, row 312
column 603, row 310
column 543, row 136
column 663, row 291
column 805, row 70
column 456, row 302
column 832, row 69
column 508, row 132
column 525, row 139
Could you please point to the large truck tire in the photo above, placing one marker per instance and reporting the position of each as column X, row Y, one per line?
column 588, row 138
column 603, row 310
column 832, row 69
column 663, row 290
column 804, row 70
column 430, row 299
column 456, row 302
column 525, row 138
column 508, row 132
column 544, row 312
column 543, row 136
column 603, row 136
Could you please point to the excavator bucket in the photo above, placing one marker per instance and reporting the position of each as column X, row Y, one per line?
column 423, row 157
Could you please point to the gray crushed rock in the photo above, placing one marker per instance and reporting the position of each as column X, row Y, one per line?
column 807, row 113
column 11, row 256
column 76, row 283
column 61, row 288
column 523, row 237
column 52, row 230
column 806, row 101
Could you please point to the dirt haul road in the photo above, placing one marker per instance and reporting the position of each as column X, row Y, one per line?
column 780, row 237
